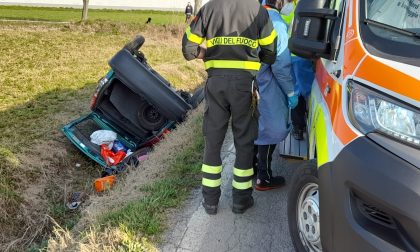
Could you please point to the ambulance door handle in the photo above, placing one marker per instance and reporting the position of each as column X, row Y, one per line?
column 337, row 73
column 327, row 90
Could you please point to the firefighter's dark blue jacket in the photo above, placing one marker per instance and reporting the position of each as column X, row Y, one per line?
column 238, row 35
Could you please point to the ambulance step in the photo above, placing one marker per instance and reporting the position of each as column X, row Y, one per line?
column 292, row 148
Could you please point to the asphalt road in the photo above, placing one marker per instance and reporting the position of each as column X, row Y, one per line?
column 262, row 228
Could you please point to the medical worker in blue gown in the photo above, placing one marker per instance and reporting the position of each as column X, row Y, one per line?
column 277, row 96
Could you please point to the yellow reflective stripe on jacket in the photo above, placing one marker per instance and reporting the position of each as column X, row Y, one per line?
column 232, row 41
column 242, row 185
column 236, row 64
column 211, row 182
column 243, row 173
column 288, row 19
column 192, row 37
column 211, row 169
column 269, row 39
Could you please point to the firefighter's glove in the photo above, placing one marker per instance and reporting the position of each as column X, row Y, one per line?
column 292, row 100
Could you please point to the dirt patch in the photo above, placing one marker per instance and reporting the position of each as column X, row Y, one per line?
column 49, row 179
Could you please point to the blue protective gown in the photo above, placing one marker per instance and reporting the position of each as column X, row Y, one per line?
column 275, row 82
column 303, row 75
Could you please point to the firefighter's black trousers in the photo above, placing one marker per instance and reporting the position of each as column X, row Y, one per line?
column 229, row 96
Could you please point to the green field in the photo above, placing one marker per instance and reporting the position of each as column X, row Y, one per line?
column 74, row 15
column 48, row 73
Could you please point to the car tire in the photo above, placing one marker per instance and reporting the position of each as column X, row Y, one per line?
column 197, row 97
column 134, row 45
column 303, row 196
column 149, row 117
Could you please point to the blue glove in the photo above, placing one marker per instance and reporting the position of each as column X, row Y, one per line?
column 293, row 100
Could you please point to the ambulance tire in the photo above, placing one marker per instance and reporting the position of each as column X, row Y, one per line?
column 305, row 175
column 149, row 117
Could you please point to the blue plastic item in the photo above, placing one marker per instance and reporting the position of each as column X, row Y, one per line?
column 118, row 146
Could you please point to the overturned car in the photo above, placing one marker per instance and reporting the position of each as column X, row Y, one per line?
column 133, row 101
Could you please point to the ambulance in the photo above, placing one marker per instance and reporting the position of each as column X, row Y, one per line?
column 360, row 189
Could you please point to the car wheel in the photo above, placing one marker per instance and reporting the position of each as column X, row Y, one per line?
column 197, row 97
column 134, row 45
column 303, row 209
column 149, row 117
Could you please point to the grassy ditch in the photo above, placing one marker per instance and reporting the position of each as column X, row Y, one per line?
column 137, row 212
column 146, row 215
column 48, row 73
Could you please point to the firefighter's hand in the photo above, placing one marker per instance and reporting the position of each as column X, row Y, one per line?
column 292, row 100
column 202, row 53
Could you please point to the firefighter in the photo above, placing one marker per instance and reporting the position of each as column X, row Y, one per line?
column 238, row 35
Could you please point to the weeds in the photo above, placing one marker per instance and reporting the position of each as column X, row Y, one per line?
column 146, row 215
column 107, row 240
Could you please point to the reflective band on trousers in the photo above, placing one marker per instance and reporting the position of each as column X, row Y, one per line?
column 269, row 39
column 232, row 41
column 211, row 169
column 243, row 173
column 242, row 185
column 192, row 37
column 211, row 182
column 236, row 64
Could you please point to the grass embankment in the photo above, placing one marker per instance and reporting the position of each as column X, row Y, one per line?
column 47, row 76
column 74, row 15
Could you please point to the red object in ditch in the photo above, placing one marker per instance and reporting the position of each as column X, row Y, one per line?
column 110, row 157
column 105, row 183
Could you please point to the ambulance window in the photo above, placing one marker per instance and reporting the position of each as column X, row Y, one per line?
column 336, row 5
column 391, row 29
column 402, row 14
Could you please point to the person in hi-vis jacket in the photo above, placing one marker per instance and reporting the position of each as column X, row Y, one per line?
column 277, row 96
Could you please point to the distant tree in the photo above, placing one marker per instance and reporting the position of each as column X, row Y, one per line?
column 85, row 10
column 197, row 6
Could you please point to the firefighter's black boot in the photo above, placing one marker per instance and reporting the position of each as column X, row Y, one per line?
column 245, row 205
column 210, row 209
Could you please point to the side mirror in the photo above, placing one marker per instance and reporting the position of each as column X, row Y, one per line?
column 311, row 32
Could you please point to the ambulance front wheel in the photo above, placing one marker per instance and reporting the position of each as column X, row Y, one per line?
column 303, row 209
